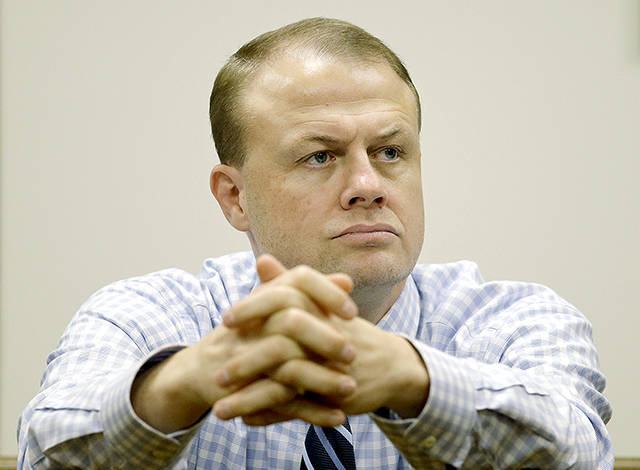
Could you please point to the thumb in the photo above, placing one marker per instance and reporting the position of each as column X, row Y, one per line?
column 269, row 268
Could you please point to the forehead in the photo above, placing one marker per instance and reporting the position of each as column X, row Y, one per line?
column 301, row 87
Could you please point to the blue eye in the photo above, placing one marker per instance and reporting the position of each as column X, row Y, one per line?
column 318, row 158
column 390, row 153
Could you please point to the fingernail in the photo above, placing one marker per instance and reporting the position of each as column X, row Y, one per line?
column 222, row 377
column 347, row 386
column 222, row 411
column 348, row 353
column 349, row 309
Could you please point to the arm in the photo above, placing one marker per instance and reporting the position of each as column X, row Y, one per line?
column 403, row 386
column 520, row 388
column 85, row 382
column 85, row 401
column 532, row 401
column 288, row 326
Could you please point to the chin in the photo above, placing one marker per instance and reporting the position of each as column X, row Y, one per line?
column 378, row 276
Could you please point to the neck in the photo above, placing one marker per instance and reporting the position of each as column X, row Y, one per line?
column 375, row 301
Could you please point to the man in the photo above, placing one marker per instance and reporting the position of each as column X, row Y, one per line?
column 317, row 128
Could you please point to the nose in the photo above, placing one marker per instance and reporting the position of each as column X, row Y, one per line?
column 364, row 186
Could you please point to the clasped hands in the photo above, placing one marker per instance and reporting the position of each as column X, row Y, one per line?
column 293, row 349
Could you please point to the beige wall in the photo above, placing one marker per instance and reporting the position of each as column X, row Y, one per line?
column 531, row 148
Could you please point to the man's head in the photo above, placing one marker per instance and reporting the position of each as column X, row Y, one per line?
column 325, row 36
column 330, row 169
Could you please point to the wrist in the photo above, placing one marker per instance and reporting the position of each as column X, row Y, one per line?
column 412, row 382
column 162, row 399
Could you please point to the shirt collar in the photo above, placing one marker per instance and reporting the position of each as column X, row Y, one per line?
column 403, row 316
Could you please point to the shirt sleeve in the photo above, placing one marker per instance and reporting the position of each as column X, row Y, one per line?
column 538, row 406
column 82, row 417
column 137, row 444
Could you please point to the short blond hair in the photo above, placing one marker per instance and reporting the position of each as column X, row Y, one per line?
column 324, row 36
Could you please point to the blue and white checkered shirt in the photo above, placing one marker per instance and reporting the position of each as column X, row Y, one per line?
column 513, row 369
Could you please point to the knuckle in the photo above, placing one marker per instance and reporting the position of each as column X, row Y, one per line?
column 294, row 320
column 288, row 297
column 287, row 373
column 277, row 393
column 279, row 348
column 282, row 296
column 339, row 342
column 281, row 292
column 297, row 299
column 303, row 272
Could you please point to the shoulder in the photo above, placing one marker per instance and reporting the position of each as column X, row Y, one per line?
column 236, row 270
column 163, row 289
column 173, row 300
column 227, row 275
column 461, row 283
column 229, row 278
column 447, row 275
column 456, row 298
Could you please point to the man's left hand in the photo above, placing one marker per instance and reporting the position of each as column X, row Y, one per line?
column 387, row 370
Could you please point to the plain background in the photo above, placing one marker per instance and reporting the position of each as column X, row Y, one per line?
column 531, row 146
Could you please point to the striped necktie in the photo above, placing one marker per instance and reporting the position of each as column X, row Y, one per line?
column 328, row 449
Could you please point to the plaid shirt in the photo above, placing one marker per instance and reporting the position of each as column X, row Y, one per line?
column 513, row 369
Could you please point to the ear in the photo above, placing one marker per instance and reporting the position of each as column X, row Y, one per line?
column 227, row 187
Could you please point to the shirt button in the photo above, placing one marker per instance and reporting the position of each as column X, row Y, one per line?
column 429, row 442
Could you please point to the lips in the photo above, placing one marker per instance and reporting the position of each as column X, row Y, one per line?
column 364, row 228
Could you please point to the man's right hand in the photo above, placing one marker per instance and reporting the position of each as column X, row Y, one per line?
column 287, row 306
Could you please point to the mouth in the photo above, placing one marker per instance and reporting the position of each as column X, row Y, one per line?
column 364, row 230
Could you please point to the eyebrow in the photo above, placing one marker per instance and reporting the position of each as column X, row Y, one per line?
column 393, row 131
column 323, row 139
column 327, row 139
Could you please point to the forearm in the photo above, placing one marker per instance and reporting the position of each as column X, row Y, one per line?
column 518, row 417
column 161, row 397
column 93, row 422
column 411, row 384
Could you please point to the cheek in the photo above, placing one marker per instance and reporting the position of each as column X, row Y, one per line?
column 301, row 217
column 306, row 202
column 286, row 209
column 408, row 192
column 407, row 203
column 306, row 209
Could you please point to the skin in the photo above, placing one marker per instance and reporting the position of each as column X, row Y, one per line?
column 177, row 392
column 297, row 211
column 331, row 184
